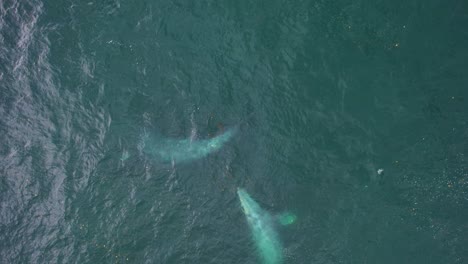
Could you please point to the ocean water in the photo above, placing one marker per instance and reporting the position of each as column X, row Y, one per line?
column 326, row 94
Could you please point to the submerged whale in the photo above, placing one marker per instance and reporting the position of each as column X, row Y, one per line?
column 262, row 226
column 183, row 150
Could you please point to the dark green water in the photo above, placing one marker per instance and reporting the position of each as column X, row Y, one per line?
column 325, row 94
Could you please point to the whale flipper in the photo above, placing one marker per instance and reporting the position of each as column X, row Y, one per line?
column 287, row 218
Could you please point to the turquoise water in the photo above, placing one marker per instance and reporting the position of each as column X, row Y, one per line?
column 324, row 93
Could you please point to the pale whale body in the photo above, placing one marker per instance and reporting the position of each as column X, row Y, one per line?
column 262, row 226
column 183, row 150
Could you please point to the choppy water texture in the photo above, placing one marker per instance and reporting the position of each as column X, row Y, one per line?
column 324, row 93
